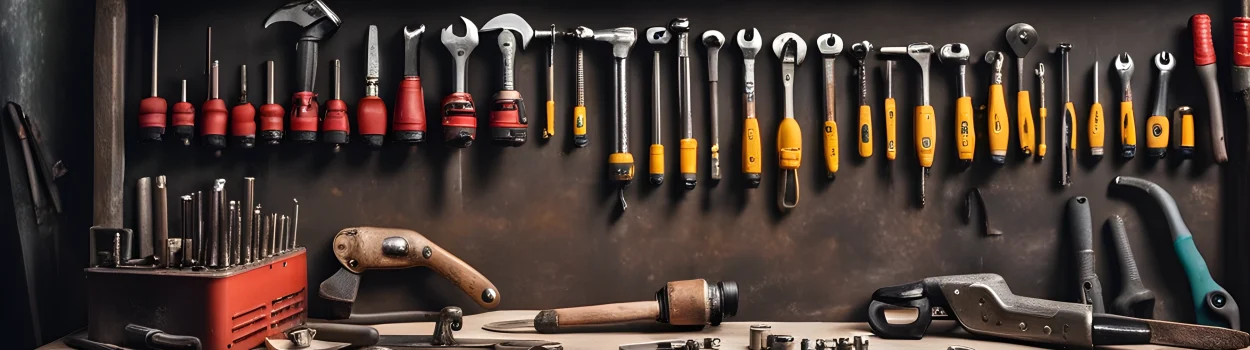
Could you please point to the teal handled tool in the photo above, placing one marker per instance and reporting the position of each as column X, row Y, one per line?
column 1212, row 304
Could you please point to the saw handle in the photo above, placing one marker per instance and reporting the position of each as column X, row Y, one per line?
column 365, row 248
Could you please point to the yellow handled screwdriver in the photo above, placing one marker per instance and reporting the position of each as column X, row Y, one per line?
column 1157, row 125
column 1022, row 37
column 791, row 49
column 1000, row 131
column 966, row 136
column 1041, row 110
column 830, row 45
column 1097, row 123
column 1128, row 125
column 891, row 112
column 860, row 52
column 751, row 149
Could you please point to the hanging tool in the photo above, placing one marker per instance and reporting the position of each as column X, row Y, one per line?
column 791, row 49
column 1183, row 132
column 1022, row 37
column 1097, row 125
column 1067, row 151
column 320, row 23
column 680, row 27
column 657, row 36
column 1157, row 133
column 1000, row 130
column 966, row 135
column 213, row 127
column 1134, row 300
column 243, row 116
column 926, row 133
column 186, row 231
column 1204, row 62
column 334, row 126
column 152, row 109
column 1240, row 76
column 550, row 128
column 1128, row 126
column 714, row 40
column 830, row 45
column 249, row 223
column 580, row 139
column 620, row 162
column 410, row 123
column 359, row 249
column 1080, row 225
column 508, row 121
column 459, row 114
column 680, row 303
column 891, row 113
column 183, row 118
column 271, row 124
column 984, row 305
column 1041, row 110
column 371, row 110
column 143, row 198
column 860, row 51
column 752, row 151
column 1212, row 304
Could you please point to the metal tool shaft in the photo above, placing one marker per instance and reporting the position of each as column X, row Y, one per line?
column 657, row 109
column 249, row 201
column 622, row 105
column 156, row 30
column 143, row 197
column 161, row 221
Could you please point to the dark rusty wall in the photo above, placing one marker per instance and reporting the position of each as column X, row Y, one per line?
column 541, row 221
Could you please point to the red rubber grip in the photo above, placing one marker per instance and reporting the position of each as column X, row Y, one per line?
column 1241, row 41
column 304, row 111
column 271, row 117
column 371, row 116
column 409, row 106
column 1204, row 50
column 459, row 117
column 336, row 117
column 243, row 120
column 152, row 112
column 213, row 118
column 183, row 114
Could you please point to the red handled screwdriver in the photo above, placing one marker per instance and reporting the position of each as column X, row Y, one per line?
column 371, row 111
column 334, row 128
column 409, row 124
column 271, row 113
column 152, row 109
column 213, row 115
column 243, row 116
column 184, row 118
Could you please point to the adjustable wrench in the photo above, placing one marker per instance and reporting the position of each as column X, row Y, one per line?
column 1157, row 125
column 657, row 36
column 860, row 52
column 830, row 45
column 713, row 39
column 459, row 114
column 791, row 49
column 1128, row 125
column 751, row 149
column 958, row 54
column 689, row 145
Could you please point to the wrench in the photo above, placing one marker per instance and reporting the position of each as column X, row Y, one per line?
column 860, row 52
column 830, row 45
column 791, row 49
column 959, row 54
column 1128, row 126
column 657, row 36
column 1157, row 124
column 714, row 40
column 751, row 149
column 1022, row 37
column 459, row 114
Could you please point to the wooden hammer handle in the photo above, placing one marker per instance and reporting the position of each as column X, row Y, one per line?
column 365, row 248
column 549, row 321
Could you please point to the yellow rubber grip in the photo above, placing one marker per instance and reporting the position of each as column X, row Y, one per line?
column 657, row 159
column 831, row 146
column 1157, row 131
column 967, row 142
column 579, row 120
column 1128, row 125
column 789, row 144
column 1097, row 128
column 926, row 135
column 1041, row 132
column 623, row 165
column 1187, row 130
column 865, row 131
column 1000, row 130
column 1070, row 111
column 1024, row 119
column 751, row 149
column 551, row 120
column 891, row 136
column 689, row 161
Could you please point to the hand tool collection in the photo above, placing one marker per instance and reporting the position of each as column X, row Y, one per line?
column 761, row 337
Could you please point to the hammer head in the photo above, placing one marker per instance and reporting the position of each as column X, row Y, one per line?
column 622, row 39
column 658, row 35
column 318, row 20
column 513, row 22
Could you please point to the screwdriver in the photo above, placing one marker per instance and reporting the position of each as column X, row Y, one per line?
column 1096, row 123
column 1183, row 118
column 183, row 118
column 1000, row 132
column 334, row 126
column 370, row 110
column 243, row 116
column 213, row 127
column 152, row 109
column 1041, row 110
column 1067, row 151
column 270, row 113
column 891, row 148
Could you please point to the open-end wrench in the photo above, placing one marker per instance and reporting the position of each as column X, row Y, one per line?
column 714, row 40
column 689, row 146
column 1157, row 125
column 751, row 149
column 1022, row 37
column 657, row 36
column 860, row 52
column 1067, row 153
column 791, row 49
column 830, row 45
column 966, row 139
column 1000, row 130
column 459, row 113
column 1128, row 125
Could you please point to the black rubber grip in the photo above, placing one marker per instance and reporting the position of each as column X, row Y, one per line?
column 1132, row 279
column 1081, row 227
column 346, row 333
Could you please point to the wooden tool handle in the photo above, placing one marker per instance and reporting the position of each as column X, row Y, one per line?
column 549, row 321
column 365, row 248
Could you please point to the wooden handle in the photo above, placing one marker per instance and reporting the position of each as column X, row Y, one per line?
column 365, row 248
column 549, row 321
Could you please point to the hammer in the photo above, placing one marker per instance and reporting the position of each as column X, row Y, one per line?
column 319, row 23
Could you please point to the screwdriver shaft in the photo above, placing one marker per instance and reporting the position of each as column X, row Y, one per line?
column 269, row 83
column 156, row 29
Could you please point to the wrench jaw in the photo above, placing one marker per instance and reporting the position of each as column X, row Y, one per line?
column 1157, row 125
column 750, row 48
